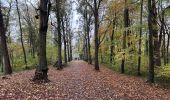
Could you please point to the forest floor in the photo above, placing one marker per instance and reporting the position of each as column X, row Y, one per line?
column 79, row 81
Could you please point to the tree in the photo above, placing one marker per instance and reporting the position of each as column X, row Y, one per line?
column 126, row 32
column 87, row 15
column 140, row 38
column 70, row 36
column 152, row 30
column 64, row 39
column 58, row 15
column 42, row 68
column 6, row 17
column 96, row 27
column 88, row 23
column 21, row 33
column 7, row 65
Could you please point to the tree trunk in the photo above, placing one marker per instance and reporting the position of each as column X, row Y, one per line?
column 1, row 55
column 68, row 51
column 164, row 47
column 58, row 15
column 163, row 31
column 21, row 32
column 146, row 45
column 96, row 17
column 7, row 65
column 167, row 49
column 140, row 39
column 152, row 31
column 112, row 42
column 65, row 42
column 88, row 43
column 126, row 25
column 42, row 69
column 85, row 48
column 157, row 57
column 70, row 46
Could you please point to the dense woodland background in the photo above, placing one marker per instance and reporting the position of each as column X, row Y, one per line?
column 130, row 36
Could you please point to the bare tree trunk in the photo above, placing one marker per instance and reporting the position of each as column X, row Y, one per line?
column 7, row 65
column 58, row 15
column 164, row 47
column 68, row 51
column 112, row 41
column 157, row 45
column 146, row 45
column 1, row 55
column 88, row 43
column 85, row 47
column 167, row 49
column 140, row 39
column 70, row 46
column 126, row 25
column 96, row 17
column 42, row 69
column 22, row 43
column 65, row 42
column 163, row 32
column 152, row 31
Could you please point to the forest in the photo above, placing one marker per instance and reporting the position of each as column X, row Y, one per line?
column 85, row 49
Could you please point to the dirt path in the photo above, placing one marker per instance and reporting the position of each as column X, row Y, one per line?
column 79, row 81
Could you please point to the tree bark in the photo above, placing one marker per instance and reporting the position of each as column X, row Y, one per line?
column 140, row 39
column 21, row 34
column 58, row 15
column 112, row 40
column 152, row 31
column 7, row 65
column 42, row 69
column 68, row 51
column 164, row 47
column 157, row 57
column 88, row 41
column 65, row 42
column 167, row 49
column 126, row 25
column 96, row 18
column 70, row 46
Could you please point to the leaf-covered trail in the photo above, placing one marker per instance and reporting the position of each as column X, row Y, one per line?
column 79, row 81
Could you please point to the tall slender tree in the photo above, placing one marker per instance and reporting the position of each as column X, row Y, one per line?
column 21, row 33
column 58, row 15
column 7, row 65
column 112, row 38
column 42, row 68
column 70, row 35
column 152, row 30
column 126, row 25
column 96, row 33
column 88, row 23
column 64, row 39
column 140, row 38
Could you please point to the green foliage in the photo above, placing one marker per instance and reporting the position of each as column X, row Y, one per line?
column 16, row 57
column 131, row 65
column 51, row 54
column 18, row 64
column 163, row 74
